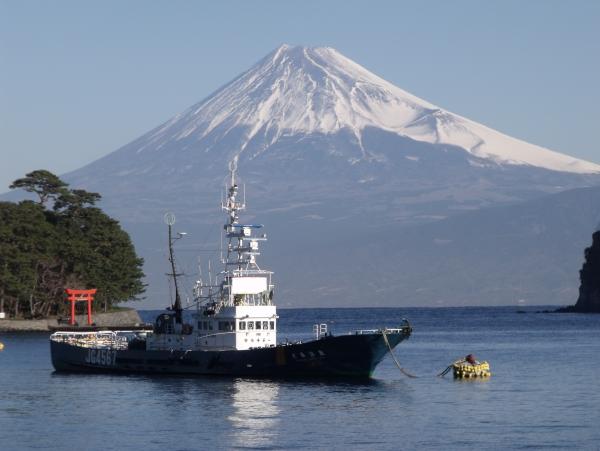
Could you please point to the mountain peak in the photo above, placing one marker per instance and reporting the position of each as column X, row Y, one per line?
column 306, row 90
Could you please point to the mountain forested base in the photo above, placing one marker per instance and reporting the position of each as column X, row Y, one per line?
column 73, row 244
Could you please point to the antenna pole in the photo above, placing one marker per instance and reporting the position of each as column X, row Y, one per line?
column 221, row 247
column 177, row 306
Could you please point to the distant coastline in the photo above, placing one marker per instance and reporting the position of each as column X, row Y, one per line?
column 123, row 317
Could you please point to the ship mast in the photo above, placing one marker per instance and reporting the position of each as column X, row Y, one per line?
column 234, row 231
column 176, row 307
column 242, row 248
column 243, row 281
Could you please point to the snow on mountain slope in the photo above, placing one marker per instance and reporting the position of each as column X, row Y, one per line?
column 298, row 90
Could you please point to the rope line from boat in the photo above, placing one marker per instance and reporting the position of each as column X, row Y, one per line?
column 443, row 373
column 402, row 370
column 451, row 366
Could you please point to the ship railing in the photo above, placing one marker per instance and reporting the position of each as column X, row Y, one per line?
column 250, row 272
column 104, row 340
column 227, row 332
column 404, row 327
column 199, row 338
column 379, row 331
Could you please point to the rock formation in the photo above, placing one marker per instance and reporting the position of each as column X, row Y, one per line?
column 589, row 290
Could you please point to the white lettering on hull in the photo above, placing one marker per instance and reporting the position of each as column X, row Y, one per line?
column 102, row 357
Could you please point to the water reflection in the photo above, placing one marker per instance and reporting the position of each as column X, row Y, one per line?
column 256, row 413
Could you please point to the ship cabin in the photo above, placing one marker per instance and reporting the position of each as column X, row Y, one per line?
column 246, row 317
column 238, row 327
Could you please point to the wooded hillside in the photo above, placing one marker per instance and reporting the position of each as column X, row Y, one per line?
column 62, row 240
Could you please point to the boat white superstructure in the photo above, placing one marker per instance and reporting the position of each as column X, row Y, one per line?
column 238, row 312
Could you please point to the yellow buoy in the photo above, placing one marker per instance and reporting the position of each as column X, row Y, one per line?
column 1, row 346
column 463, row 369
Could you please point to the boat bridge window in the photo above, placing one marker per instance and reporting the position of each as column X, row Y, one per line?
column 256, row 325
column 227, row 325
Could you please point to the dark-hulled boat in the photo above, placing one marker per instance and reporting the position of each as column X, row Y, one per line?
column 234, row 330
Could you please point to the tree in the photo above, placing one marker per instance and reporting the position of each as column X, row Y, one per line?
column 74, row 244
column 44, row 183
column 75, row 200
column 100, row 254
column 26, row 240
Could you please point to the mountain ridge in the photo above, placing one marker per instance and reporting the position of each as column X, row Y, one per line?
column 318, row 90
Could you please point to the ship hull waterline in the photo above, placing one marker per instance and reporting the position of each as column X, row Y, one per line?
column 352, row 356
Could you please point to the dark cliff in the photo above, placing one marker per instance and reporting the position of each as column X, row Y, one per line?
column 589, row 289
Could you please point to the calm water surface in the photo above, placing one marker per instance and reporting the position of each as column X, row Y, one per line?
column 544, row 392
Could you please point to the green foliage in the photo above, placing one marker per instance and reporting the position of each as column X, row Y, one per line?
column 75, row 200
column 74, row 245
column 44, row 183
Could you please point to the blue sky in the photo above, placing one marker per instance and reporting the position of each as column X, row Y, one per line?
column 79, row 79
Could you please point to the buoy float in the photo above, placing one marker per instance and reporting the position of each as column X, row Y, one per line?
column 466, row 370
column 1, row 346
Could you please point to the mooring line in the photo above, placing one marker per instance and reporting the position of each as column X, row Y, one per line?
column 443, row 373
column 406, row 373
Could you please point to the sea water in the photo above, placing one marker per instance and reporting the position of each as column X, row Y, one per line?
column 544, row 392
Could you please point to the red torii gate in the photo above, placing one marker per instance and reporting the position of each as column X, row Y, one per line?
column 81, row 295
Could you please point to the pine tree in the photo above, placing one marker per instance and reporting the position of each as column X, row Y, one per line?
column 74, row 245
column 44, row 183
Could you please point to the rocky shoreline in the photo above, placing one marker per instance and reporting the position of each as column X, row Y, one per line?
column 589, row 289
column 121, row 318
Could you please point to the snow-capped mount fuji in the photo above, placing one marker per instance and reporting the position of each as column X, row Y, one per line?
column 322, row 137
column 299, row 90
column 334, row 158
